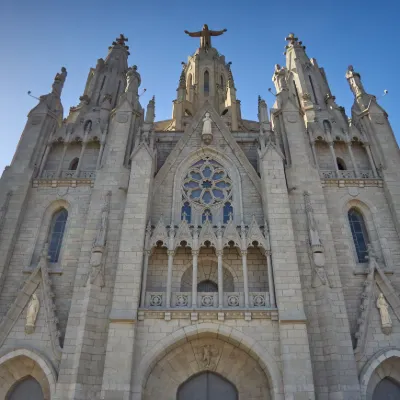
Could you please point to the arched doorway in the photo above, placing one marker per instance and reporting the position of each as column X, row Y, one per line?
column 387, row 389
column 26, row 388
column 207, row 386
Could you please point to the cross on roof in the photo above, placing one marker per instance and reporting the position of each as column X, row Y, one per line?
column 121, row 40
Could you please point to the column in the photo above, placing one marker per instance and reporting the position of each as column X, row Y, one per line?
column 271, row 286
column 100, row 155
column 220, row 280
column 78, row 168
column 245, row 278
column 144, row 279
column 169, row 276
column 371, row 160
column 331, row 148
column 195, row 254
column 59, row 170
column 44, row 159
column 353, row 161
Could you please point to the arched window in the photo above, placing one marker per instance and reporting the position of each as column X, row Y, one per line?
column 189, row 80
column 27, row 388
column 359, row 233
column 341, row 164
column 206, row 216
column 296, row 93
column 56, row 234
column 117, row 95
column 222, row 81
column 207, row 286
column 228, row 211
column 313, row 90
column 327, row 127
column 74, row 164
column 206, row 83
column 88, row 126
column 186, row 212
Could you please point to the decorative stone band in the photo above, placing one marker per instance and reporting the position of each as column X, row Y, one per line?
column 181, row 300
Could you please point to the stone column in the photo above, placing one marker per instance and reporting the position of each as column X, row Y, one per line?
column 44, row 159
column 271, row 287
column 220, row 279
column 353, row 160
column 195, row 254
column 59, row 169
column 78, row 168
column 245, row 278
column 332, row 150
column 169, row 277
column 371, row 160
column 144, row 279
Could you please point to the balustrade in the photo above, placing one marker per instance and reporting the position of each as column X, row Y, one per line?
column 346, row 174
column 183, row 300
column 68, row 174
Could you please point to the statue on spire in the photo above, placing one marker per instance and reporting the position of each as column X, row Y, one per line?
column 205, row 36
column 354, row 79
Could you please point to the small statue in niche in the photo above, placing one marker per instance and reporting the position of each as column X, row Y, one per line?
column 383, row 307
column 31, row 315
column 206, row 134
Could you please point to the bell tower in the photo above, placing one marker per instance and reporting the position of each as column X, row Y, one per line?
column 206, row 77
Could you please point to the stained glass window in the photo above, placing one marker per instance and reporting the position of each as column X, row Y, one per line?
column 56, row 234
column 228, row 211
column 207, row 184
column 206, row 216
column 186, row 212
column 359, row 234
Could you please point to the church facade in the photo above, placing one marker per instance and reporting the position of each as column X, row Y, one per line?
column 206, row 256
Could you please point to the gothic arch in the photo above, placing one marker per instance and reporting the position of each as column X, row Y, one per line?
column 367, row 211
column 20, row 363
column 230, row 276
column 266, row 361
column 375, row 370
column 44, row 227
column 226, row 162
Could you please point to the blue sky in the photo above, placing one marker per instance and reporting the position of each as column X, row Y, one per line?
column 37, row 38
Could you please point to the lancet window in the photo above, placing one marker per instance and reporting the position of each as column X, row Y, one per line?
column 186, row 212
column 56, row 235
column 228, row 211
column 206, row 83
column 359, row 233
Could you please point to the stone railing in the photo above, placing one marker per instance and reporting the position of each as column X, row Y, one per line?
column 183, row 300
column 68, row 174
column 346, row 174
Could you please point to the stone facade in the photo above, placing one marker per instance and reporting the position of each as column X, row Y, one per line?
column 137, row 255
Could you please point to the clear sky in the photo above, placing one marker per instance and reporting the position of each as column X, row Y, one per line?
column 37, row 38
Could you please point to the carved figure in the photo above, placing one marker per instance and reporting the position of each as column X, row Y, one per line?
column 205, row 36
column 279, row 78
column 31, row 315
column 207, row 130
column 133, row 80
column 207, row 355
column 354, row 79
column 99, row 246
column 384, row 311
column 59, row 81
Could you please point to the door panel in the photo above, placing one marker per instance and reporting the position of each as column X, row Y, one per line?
column 207, row 386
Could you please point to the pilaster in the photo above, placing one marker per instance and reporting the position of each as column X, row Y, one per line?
column 123, row 317
column 295, row 353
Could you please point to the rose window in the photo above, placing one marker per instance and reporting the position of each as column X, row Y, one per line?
column 207, row 183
